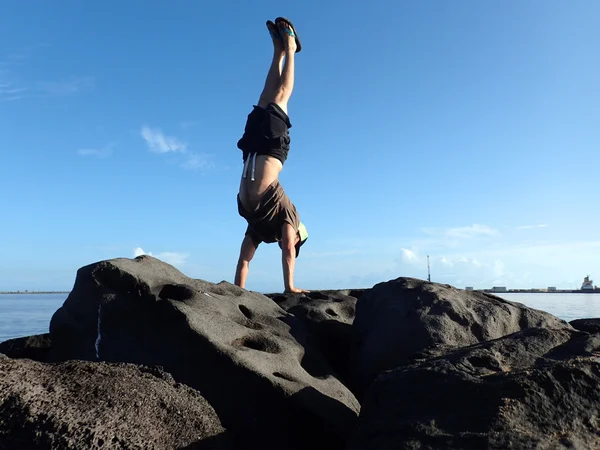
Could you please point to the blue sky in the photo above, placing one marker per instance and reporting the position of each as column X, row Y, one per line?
column 468, row 131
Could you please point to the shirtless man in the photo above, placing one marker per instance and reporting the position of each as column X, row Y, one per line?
column 265, row 144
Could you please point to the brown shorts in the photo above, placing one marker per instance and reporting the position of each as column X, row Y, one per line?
column 275, row 208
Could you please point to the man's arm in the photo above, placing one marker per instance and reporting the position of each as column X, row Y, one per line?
column 246, row 254
column 288, row 257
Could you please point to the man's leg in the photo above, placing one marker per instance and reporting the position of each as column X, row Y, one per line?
column 280, row 80
column 274, row 76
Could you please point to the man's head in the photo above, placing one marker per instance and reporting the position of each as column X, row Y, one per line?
column 301, row 237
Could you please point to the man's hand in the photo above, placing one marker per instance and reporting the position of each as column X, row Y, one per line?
column 289, row 237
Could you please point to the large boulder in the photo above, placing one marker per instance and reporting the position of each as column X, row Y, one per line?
column 328, row 317
column 406, row 319
column 247, row 356
column 80, row 404
column 587, row 325
column 534, row 389
column 36, row 347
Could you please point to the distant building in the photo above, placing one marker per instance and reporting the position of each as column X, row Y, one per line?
column 499, row 289
column 469, row 288
column 551, row 288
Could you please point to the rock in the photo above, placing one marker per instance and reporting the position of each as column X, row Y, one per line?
column 80, row 404
column 534, row 389
column 247, row 356
column 407, row 319
column 328, row 316
column 587, row 325
column 34, row 347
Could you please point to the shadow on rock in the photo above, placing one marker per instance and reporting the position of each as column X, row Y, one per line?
column 36, row 347
column 222, row 441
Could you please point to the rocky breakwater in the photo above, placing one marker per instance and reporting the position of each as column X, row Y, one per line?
column 141, row 356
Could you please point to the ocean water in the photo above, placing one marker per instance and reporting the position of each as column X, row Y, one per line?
column 28, row 314
column 565, row 306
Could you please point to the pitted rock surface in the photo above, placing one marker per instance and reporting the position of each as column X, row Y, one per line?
column 79, row 404
column 248, row 357
column 328, row 316
column 534, row 389
column 406, row 319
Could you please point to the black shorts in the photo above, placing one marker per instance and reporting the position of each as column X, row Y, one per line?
column 266, row 133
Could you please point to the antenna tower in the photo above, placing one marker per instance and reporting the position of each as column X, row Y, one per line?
column 428, row 272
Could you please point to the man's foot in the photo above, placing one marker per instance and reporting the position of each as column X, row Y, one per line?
column 296, row 291
column 288, row 36
column 274, row 32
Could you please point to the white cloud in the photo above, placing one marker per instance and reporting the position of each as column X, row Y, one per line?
column 103, row 152
column 528, row 227
column 409, row 256
column 173, row 258
column 159, row 143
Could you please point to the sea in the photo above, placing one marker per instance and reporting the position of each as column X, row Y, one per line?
column 29, row 314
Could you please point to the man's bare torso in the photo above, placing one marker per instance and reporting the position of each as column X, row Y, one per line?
column 266, row 171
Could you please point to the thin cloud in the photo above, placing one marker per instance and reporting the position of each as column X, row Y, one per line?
column 529, row 227
column 187, row 124
column 328, row 254
column 11, row 98
column 68, row 87
column 194, row 161
column 9, row 92
column 103, row 152
column 472, row 231
column 160, row 143
column 173, row 258
column 468, row 232
column 11, row 89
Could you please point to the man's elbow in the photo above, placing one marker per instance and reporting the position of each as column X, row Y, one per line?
column 243, row 263
column 289, row 251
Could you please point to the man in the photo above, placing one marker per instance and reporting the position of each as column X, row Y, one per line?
column 265, row 144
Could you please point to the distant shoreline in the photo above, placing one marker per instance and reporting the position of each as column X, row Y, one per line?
column 540, row 291
column 33, row 292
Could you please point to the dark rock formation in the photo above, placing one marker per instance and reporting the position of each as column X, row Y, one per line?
column 406, row 319
column 141, row 356
column 248, row 357
column 80, row 404
column 328, row 317
column 587, row 325
column 533, row 389
column 32, row 347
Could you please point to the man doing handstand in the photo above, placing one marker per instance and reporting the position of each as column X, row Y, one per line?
column 265, row 144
